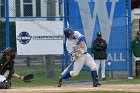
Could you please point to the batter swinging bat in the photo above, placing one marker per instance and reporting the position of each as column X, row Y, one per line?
column 67, row 68
column 78, row 54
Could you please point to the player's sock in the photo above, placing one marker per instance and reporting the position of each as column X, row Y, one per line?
column 94, row 77
column 67, row 75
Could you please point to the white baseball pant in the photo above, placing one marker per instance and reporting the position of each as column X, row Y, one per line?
column 85, row 59
column 102, row 63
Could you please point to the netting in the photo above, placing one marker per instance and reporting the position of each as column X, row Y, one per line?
column 44, row 67
column 77, row 16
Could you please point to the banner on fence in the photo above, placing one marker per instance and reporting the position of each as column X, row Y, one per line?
column 92, row 16
column 39, row 37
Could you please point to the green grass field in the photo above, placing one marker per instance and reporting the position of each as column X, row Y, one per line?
column 40, row 79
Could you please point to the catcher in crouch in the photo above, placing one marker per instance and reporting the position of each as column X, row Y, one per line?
column 76, row 46
column 7, row 70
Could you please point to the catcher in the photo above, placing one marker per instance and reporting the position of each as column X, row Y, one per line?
column 7, row 70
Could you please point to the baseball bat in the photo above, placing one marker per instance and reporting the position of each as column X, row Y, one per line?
column 67, row 68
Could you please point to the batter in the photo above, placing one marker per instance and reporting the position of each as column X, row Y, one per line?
column 76, row 46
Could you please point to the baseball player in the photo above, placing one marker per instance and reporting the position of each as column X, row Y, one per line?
column 77, row 48
column 7, row 69
column 100, row 55
column 136, row 53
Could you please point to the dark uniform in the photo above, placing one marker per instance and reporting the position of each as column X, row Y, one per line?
column 10, row 68
column 99, row 48
column 99, row 51
column 136, row 52
column 7, row 67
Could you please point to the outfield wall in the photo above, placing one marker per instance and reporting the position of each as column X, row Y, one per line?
column 111, row 18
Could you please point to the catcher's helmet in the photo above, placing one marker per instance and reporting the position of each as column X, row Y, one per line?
column 138, row 33
column 68, row 32
column 9, row 51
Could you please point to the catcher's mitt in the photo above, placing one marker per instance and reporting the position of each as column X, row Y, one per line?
column 28, row 78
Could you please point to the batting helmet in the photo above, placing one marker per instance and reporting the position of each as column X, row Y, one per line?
column 68, row 32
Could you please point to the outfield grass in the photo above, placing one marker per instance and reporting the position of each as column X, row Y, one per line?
column 40, row 79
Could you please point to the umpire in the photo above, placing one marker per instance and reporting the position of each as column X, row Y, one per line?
column 136, row 53
column 99, row 52
column 7, row 68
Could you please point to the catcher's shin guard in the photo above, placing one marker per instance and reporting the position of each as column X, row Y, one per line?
column 95, row 79
column 5, row 85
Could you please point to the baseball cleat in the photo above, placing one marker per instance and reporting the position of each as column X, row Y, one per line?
column 96, row 84
column 60, row 82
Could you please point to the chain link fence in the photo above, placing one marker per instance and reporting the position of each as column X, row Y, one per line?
column 43, row 67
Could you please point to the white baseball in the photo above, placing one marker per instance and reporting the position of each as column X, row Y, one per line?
column 109, row 63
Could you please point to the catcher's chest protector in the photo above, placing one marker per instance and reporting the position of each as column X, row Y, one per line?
column 5, row 67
